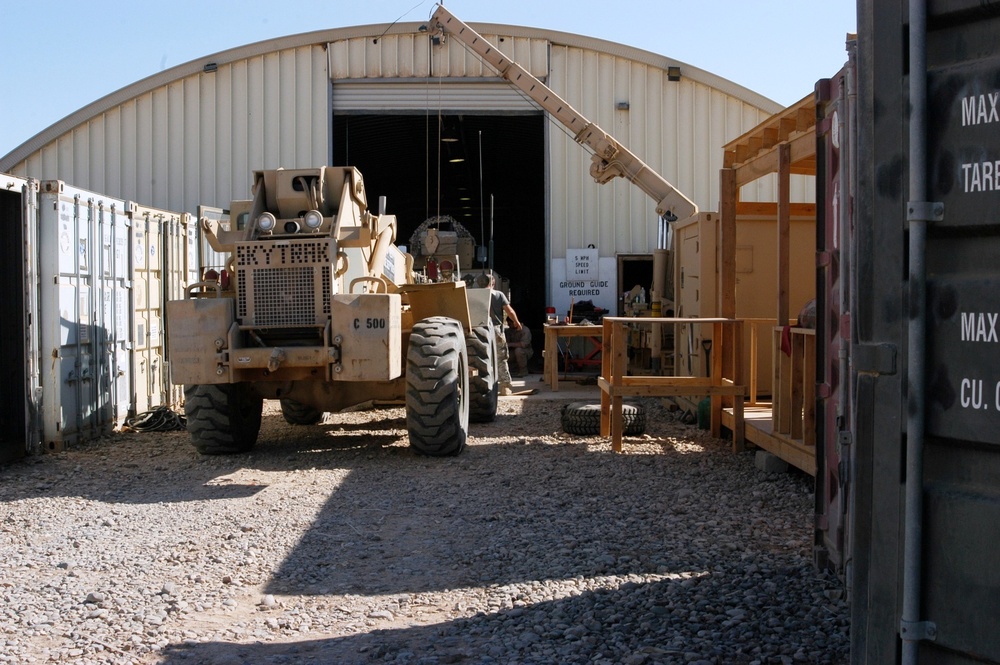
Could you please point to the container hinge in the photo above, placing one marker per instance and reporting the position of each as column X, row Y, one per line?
column 925, row 211
column 874, row 358
column 914, row 631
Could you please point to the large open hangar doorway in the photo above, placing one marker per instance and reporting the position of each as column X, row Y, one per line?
column 484, row 156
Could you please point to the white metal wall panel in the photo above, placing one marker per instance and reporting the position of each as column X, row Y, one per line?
column 196, row 140
column 677, row 127
column 446, row 95
column 83, row 299
column 411, row 56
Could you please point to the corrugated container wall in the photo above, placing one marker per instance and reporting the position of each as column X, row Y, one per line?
column 164, row 263
column 84, row 309
column 196, row 139
column 925, row 566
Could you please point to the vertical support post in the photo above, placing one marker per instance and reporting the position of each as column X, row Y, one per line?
column 739, row 429
column 754, row 360
column 618, row 364
column 784, row 229
column 551, row 371
column 728, row 195
column 607, row 332
column 798, row 376
column 715, row 373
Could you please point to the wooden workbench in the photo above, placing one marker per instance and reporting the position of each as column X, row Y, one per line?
column 616, row 383
column 550, row 371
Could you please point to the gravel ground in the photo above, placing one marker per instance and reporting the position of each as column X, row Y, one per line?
column 337, row 544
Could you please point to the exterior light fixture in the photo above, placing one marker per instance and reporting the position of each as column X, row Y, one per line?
column 266, row 221
column 313, row 219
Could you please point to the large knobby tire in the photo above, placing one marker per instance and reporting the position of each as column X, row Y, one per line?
column 224, row 418
column 484, row 387
column 297, row 413
column 437, row 387
column 583, row 418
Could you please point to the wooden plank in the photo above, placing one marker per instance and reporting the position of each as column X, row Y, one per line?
column 784, row 231
column 551, row 372
column 619, row 363
column 784, row 377
column 770, row 209
column 607, row 329
column 661, row 390
column 770, row 136
column 718, row 353
column 795, row 453
column 803, row 147
column 798, row 353
column 777, row 398
column 739, row 426
column 653, row 380
column 728, row 197
column 738, row 380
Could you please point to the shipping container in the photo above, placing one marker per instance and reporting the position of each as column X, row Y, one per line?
column 164, row 262
column 84, row 309
column 20, row 389
column 835, row 190
column 924, row 568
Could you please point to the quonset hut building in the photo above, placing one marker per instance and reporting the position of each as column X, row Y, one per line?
column 380, row 98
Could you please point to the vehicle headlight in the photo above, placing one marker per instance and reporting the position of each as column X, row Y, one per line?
column 313, row 219
column 266, row 221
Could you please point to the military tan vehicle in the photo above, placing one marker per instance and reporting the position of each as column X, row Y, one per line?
column 319, row 309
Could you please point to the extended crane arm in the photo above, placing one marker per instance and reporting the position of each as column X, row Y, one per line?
column 610, row 159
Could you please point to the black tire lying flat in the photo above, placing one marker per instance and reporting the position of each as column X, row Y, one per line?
column 437, row 387
column 583, row 418
column 297, row 413
column 483, row 387
column 222, row 419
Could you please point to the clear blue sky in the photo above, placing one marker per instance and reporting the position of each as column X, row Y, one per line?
column 59, row 55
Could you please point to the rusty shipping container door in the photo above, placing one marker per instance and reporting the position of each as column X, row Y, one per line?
column 959, row 574
column 835, row 143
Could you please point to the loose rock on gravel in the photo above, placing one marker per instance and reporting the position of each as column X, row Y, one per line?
column 336, row 543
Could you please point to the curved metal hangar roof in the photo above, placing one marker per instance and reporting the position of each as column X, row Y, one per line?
column 191, row 135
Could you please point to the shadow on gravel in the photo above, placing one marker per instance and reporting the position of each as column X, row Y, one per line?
column 163, row 467
column 636, row 623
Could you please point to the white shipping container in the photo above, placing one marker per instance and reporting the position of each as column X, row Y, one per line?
column 83, row 314
column 20, row 387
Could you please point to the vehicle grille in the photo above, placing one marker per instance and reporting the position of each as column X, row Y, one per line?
column 284, row 283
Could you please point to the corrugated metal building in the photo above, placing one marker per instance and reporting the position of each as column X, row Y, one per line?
column 379, row 97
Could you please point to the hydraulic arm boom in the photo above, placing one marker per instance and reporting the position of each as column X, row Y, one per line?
column 610, row 159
